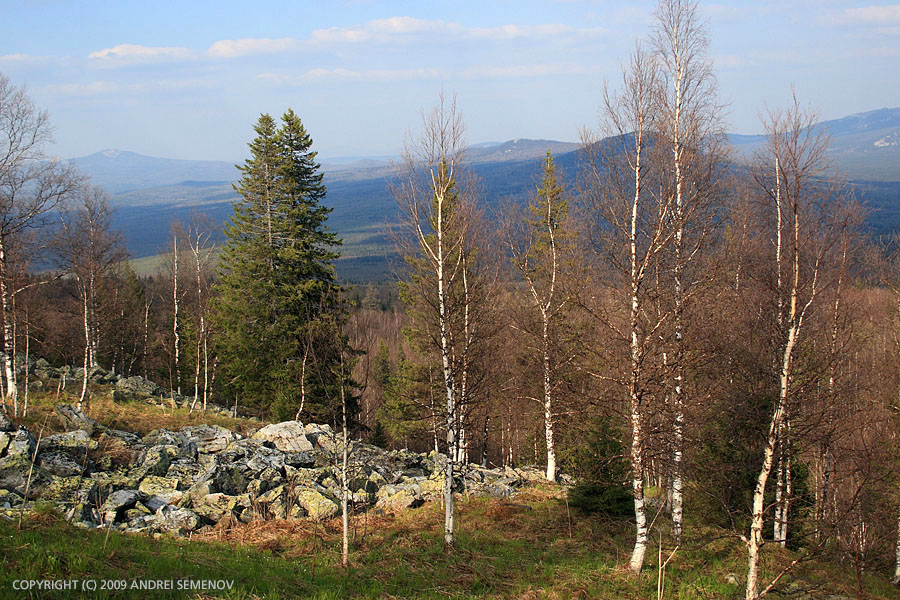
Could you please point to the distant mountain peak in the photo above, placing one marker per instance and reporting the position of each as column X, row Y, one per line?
column 111, row 153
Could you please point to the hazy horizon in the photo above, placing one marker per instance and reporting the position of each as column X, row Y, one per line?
column 188, row 80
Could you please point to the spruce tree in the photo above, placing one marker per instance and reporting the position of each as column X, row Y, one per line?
column 277, row 298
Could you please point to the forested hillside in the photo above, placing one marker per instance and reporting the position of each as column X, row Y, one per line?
column 691, row 339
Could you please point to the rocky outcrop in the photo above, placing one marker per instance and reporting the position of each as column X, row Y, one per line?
column 180, row 481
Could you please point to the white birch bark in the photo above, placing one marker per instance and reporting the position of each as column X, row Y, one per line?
column 175, row 335
column 6, row 306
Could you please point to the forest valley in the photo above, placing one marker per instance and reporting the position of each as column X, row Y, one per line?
column 667, row 324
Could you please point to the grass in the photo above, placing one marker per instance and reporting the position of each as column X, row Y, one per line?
column 527, row 548
column 139, row 416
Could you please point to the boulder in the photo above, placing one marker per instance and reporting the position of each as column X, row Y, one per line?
column 9, row 499
column 139, row 386
column 317, row 505
column 165, row 488
column 215, row 507
column 60, row 464
column 22, row 444
column 209, row 438
column 15, row 470
column 5, row 424
column 5, row 439
column 76, row 419
column 289, row 436
column 76, row 496
column 117, row 503
column 76, row 443
column 393, row 498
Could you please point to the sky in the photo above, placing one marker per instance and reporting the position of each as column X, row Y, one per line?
column 188, row 79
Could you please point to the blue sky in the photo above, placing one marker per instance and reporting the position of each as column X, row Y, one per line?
column 188, row 79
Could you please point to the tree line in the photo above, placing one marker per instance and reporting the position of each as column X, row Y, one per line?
column 687, row 334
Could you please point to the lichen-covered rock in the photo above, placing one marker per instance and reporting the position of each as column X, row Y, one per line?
column 185, row 471
column 209, row 438
column 289, row 436
column 321, row 436
column 75, row 442
column 5, row 424
column 117, row 503
column 215, row 507
column 60, row 464
column 165, row 488
column 393, row 498
column 9, row 499
column 164, row 437
column 22, row 444
column 317, row 505
column 5, row 439
column 15, row 470
column 76, row 419
column 139, row 386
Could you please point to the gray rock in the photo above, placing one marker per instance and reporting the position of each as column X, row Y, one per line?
column 176, row 520
column 289, row 436
column 14, row 476
column 209, row 438
column 9, row 499
column 22, row 444
column 75, row 443
column 117, row 503
column 76, row 419
column 165, row 488
column 60, row 464
column 391, row 498
column 5, row 424
column 319, row 506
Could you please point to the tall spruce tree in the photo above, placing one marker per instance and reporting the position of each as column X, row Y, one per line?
column 277, row 296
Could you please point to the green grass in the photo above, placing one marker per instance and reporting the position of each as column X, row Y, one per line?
column 528, row 548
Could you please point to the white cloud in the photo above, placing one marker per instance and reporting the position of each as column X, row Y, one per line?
column 102, row 88
column 370, row 75
column 130, row 53
column 874, row 15
column 393, row 75
column 250, row 46
column 405, row 29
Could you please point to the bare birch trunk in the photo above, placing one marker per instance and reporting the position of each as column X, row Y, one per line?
column 345, row 483
column 175, row 313
column 896, row 579
column 8, row 348
column 87, row 348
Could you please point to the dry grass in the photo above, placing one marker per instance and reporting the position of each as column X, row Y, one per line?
column 138, row 416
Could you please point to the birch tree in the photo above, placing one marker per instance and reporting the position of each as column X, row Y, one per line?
column 806, row 227
column 631, row 232
column 88, row 249
column 688, row 121
column 30, row 187
column 434, row 211
column 541, row 247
